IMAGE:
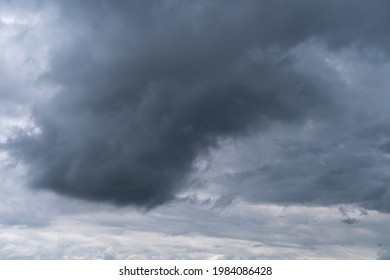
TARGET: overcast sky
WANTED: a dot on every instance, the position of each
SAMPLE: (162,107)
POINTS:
(195,129)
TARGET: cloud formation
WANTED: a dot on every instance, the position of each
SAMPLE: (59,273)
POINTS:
(146,87)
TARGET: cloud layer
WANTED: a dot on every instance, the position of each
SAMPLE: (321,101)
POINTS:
(144,89)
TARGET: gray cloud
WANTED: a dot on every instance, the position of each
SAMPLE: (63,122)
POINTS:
(384,255)
(329,160)
(180,230)
(147,87)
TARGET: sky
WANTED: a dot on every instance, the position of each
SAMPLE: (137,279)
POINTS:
(169,129)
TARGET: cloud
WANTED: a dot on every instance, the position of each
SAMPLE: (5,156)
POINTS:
(180,230)
(145,88)
(384,255)
(41,225)
(336,158)
(131,118)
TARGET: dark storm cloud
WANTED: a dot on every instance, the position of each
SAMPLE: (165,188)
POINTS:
(147,86)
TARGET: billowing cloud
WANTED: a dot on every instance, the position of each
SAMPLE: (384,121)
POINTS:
(143,89)
(333,159)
